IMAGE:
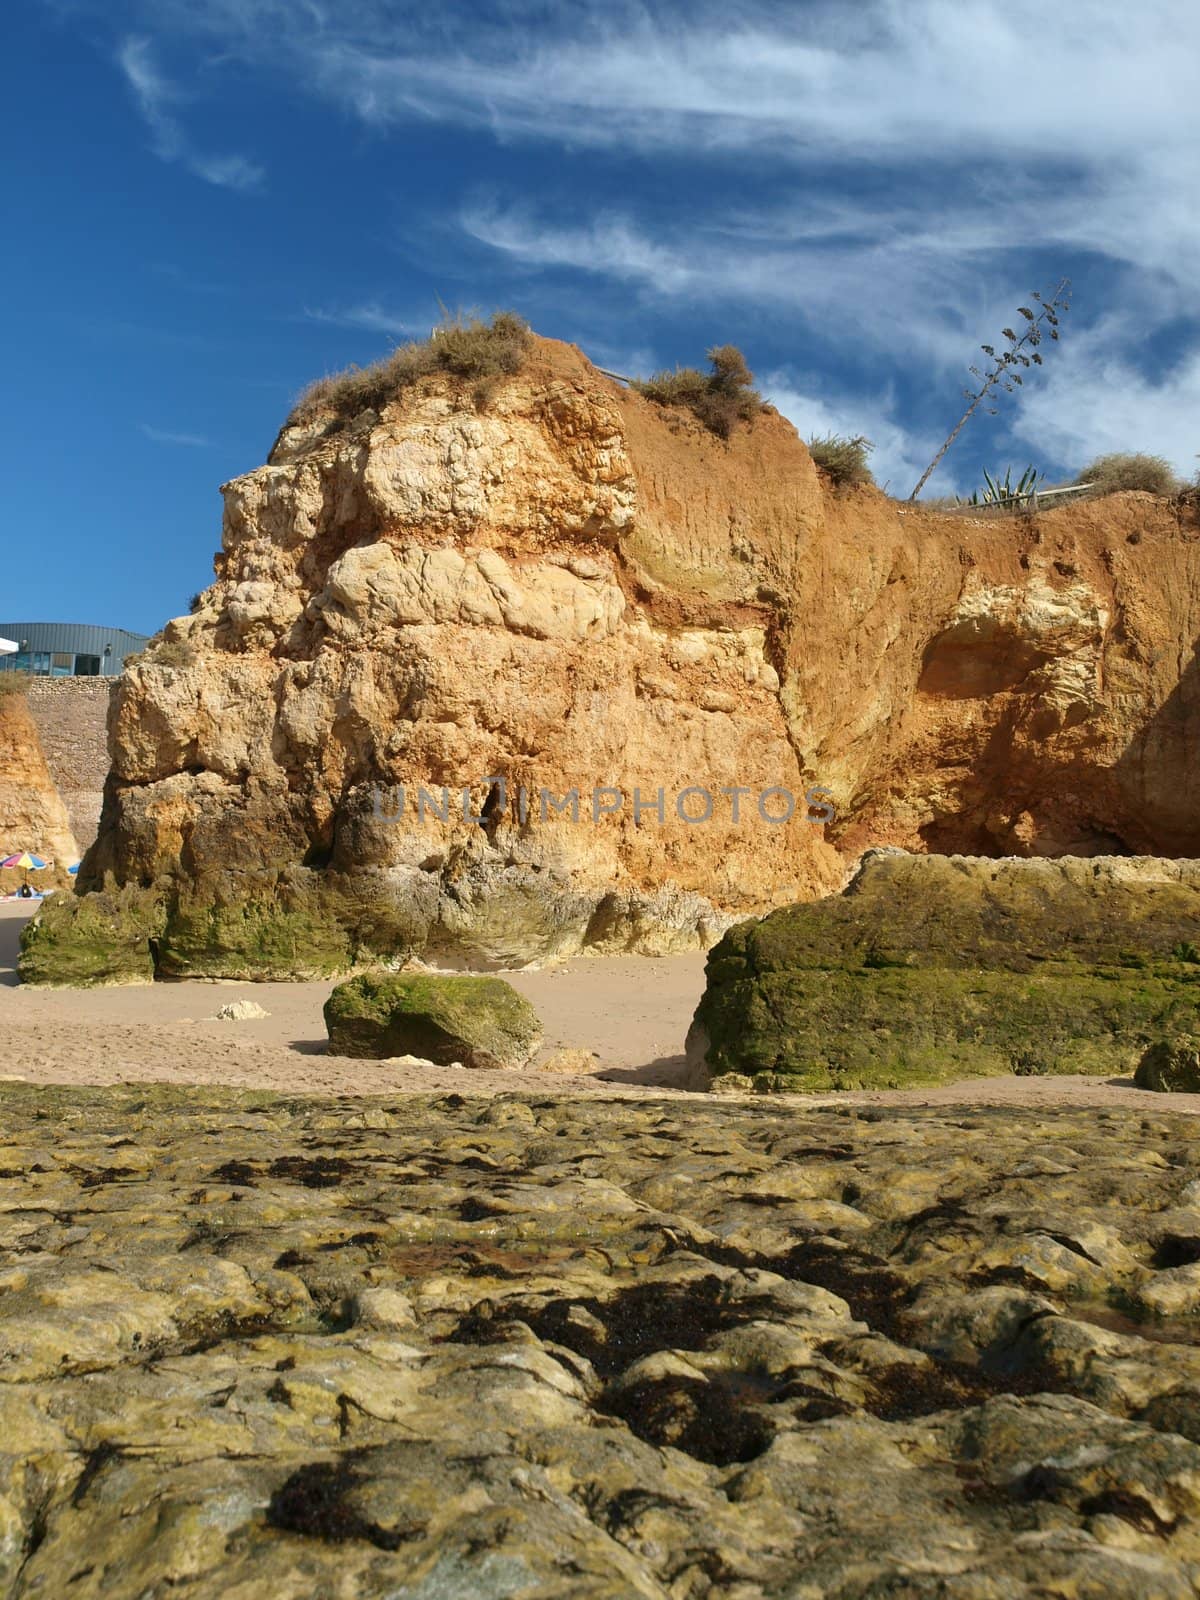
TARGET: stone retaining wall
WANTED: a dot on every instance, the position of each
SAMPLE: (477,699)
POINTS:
(71,716)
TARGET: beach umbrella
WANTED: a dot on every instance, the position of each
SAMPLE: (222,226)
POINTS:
(74,867)
(27,862)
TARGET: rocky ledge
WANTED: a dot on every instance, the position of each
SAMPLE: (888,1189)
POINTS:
(255,1347)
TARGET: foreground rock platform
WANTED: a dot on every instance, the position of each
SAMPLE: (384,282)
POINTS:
(261,1348)
(931,969)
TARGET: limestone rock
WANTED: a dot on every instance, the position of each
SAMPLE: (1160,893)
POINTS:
(929,968)
(467,1021)
(254,1345)
(241,1011)
(569,1061)
(1173,1293)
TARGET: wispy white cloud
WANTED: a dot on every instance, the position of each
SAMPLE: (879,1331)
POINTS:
(1095,401)
(983,125)
(806,82)
(900,451)
(166,436)
(880,176)
(372,316)
(156,97)
(920,292)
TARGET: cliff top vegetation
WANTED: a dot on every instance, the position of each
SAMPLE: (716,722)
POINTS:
(462,345)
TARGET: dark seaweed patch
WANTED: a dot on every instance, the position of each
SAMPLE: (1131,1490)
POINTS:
(814,1405)
(316,1172)
(642,1319)
(615,1333)
(94,1464)
(239,1173)
(875,1294)
(707,1420)
(1130,1508)
(912,1389)
(988,1277)
(1176,1250)
(475,1210)
(103,1175)
(317,1501)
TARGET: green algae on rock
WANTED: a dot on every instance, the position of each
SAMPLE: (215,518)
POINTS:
(1172,1066)
(278,929)
(284,934)
(931,968)
(480,1022)
(92,940)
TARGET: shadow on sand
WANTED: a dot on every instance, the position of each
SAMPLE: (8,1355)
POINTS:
(667,1072)
(10,943)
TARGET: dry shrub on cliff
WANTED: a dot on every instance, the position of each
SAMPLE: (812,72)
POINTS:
(13,683)
(1124,470)
(462,345)
(842,460)
(172,653)
(721,400)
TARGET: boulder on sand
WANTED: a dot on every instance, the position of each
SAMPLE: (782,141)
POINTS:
(241,1011)
(931,968)
(1172,1066)
(475,1021)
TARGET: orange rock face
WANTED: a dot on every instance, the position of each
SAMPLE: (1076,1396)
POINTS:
(33,817)
(573,589)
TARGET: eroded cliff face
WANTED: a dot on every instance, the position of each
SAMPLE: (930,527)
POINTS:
(572,588)
(32,815)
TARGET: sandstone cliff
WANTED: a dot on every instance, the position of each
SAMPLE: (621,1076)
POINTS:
(32,815)
(572,587)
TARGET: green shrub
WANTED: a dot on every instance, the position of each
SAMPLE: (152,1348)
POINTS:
(1123,470)
(462,345)
(1000,491)
(720,401)
(842,460)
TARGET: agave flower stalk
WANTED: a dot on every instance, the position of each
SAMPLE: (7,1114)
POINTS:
(1004,371)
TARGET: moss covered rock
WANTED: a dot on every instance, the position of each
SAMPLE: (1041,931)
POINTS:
(1171,1065)
(280,932)
(84,941)
(480,1022)
(932,968)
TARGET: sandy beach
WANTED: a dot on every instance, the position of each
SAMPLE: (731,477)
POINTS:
(631,1013)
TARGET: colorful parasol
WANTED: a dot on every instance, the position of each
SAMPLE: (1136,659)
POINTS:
(30,863)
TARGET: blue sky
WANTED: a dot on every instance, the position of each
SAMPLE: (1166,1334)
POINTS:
(214,201)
